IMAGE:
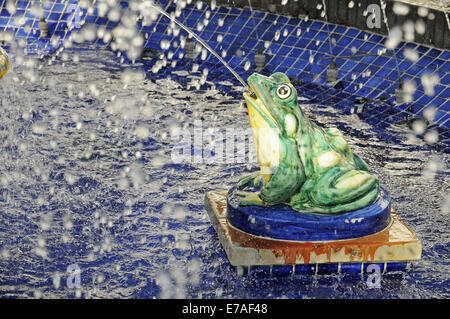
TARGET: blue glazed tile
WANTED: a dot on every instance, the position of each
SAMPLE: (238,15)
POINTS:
(366,47)
(300,64)
(362,35)
(374,94)
(445,93)
(424,99)
(270,17)
(422,49)
(291,40)
(312,45)
(445,55)
(292,72)
(305,24)
(445,67)
(364,91)
(356,43)
(322,36)
(280,68)
(351,268)
(374,82)
(306,269)
(344,41)
(392,63)
(394,76)
(424,61)
(360,67)
(414,69)
(276,60)
(381,60)
(282,270)
(282,19)
(235,11)
(303,43)
(382,72)
(316,69)
(268,35)
(340,30)
(327,269)
(289,62)
(438,101)
(444,120)
(309,34)
(296,52)
(260,271)
(223,10)
(259,14)
(293,21)
(376,38)
(352,32)
(284,50)
(434,53)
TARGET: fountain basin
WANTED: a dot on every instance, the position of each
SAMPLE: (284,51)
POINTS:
(394,243)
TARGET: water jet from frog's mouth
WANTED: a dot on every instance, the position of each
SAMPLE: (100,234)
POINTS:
(202,42)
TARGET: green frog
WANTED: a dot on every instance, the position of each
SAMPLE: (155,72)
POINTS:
(310,168)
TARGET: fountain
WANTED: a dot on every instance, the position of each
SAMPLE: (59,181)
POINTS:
(87,188)
(313,201)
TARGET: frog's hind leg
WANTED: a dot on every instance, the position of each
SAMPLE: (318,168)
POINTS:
(339,190)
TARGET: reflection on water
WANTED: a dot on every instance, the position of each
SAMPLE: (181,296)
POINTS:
(86,180)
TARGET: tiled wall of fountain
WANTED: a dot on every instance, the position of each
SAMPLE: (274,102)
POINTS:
(299,47)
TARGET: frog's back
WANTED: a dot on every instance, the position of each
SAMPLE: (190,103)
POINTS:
(328,149)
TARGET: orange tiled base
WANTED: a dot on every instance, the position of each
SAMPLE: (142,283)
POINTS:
(396,243)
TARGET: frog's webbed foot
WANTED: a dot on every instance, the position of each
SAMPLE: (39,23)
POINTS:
(250,198)
(338,190)
(253,180)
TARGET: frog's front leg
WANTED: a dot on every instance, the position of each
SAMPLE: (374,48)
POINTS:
(285,182)
(253,180)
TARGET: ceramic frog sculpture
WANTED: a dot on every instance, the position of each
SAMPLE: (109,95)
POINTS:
(302,165)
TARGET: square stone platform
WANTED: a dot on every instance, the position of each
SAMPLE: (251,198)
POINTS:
(396,243)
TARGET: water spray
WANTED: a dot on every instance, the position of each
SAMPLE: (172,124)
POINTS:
(200,40)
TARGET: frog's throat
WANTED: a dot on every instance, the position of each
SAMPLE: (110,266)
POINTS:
(257,105)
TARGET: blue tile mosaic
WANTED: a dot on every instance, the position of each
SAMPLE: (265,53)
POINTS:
(301,50)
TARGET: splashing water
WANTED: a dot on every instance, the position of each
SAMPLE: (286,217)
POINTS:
(95,196)
(202,42)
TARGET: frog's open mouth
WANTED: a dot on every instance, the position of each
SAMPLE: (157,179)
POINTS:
(254,102)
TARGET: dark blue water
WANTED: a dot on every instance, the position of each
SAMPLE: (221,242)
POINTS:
(87,182)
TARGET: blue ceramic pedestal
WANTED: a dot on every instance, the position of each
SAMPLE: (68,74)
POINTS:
(297,242)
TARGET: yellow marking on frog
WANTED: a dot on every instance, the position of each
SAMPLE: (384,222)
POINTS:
(352,179)
(290,123)
(334,131)
(4,62)
(266,139)
(328,159)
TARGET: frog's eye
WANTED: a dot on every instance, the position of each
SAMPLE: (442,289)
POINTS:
(283,92)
